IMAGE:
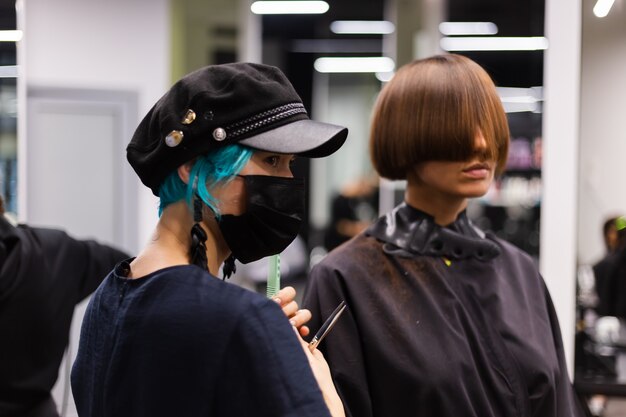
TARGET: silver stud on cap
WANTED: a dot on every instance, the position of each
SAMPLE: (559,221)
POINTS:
(174,138)
(190,116)
(219,134)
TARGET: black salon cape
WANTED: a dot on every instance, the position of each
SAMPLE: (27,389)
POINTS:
(44,273)
(180,342)
(420,338)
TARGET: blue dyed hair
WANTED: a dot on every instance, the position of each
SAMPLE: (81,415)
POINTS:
(218,166)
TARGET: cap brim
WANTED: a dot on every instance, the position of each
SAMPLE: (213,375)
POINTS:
(303,137)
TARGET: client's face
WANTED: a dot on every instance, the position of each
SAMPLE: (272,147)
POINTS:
(461,180)
(232,195)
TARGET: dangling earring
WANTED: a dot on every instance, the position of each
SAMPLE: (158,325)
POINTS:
(229,267)
(197,251)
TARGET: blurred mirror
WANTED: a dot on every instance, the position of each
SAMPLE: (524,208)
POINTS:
(601,298)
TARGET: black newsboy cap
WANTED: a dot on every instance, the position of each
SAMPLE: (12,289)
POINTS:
(251,104)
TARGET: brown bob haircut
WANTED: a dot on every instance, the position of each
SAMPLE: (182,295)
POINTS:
(432,110)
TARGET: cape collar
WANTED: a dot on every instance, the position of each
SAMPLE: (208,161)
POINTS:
(408,231)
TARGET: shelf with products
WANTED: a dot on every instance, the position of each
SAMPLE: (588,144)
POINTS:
(512,190)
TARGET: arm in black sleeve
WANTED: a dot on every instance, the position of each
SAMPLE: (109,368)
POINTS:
(75,263)
(99,261)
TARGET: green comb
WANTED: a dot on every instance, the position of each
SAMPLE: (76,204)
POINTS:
(620,223)
(273,276)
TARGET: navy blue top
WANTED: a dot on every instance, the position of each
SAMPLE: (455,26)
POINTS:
(180,342)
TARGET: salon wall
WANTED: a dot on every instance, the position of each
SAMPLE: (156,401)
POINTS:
(94,45)
(206,32)
(89,69)
(561,111)
(98,44)
(602,128)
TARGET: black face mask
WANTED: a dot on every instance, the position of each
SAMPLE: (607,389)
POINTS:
(275,207)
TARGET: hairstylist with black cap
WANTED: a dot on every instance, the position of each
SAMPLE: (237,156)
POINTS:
(162,336)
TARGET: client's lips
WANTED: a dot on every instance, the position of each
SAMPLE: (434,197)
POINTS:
(477,166)
(478,170)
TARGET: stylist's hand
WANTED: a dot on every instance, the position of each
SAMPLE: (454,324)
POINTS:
(322,375)
(298,318)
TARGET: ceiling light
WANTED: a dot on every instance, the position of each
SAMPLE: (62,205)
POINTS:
(516,99)
(468,28)
(518,94)
(289,7)
(10,35)
(8,71)
(365,27)
(384,77)
(602,7)
(494,44)
(354,64)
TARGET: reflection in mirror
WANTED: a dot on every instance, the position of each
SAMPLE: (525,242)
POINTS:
(601,300)
(344,197)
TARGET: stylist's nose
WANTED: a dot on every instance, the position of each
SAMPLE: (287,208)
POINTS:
(287,172)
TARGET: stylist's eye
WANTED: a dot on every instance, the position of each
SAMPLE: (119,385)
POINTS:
(292,161)
(273,160)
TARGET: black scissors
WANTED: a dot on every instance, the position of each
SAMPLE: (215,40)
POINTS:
(327,326)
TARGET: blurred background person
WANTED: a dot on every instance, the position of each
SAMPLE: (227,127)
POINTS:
(600,298)
(44,273)
(610,271)
(353,209)
(610,233)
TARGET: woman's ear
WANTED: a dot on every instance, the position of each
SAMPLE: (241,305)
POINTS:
(184,171)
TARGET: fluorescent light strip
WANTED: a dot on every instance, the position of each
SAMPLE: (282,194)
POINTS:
(520,95)
(602,7)
(8,71)
(494,44)
(519,99)
(289,7)
(518,107)
(10,35)
(365,27)
(354,64)
(515,99)
(468,28)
